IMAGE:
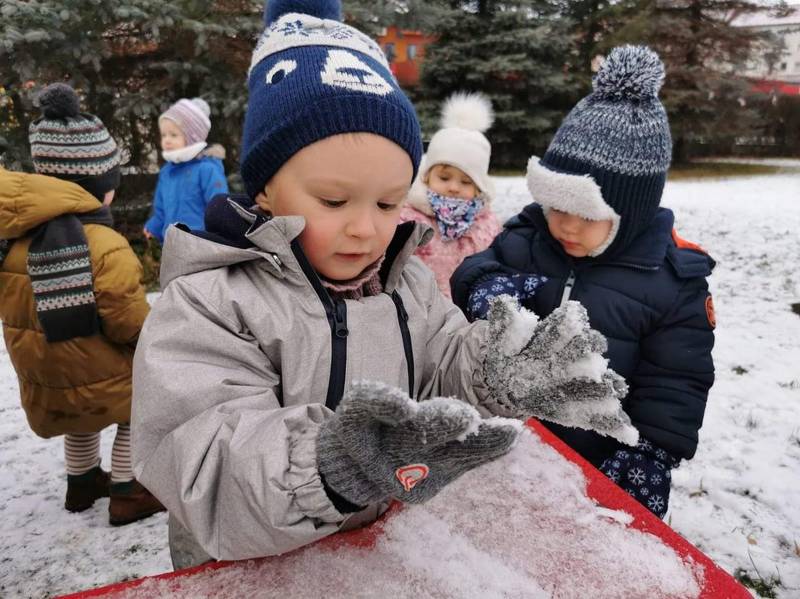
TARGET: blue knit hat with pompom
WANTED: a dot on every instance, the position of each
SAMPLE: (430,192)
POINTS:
(619,136)
(311,77)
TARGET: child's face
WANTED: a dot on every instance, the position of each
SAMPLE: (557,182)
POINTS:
(578,236)
(452,182)
(349,188)
(171,136)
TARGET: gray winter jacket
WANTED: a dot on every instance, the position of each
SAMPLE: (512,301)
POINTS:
(245,355)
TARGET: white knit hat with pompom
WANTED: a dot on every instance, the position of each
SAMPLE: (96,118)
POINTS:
(461,143)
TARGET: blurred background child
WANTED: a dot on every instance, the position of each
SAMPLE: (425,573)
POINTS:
(453,191)
(193,173)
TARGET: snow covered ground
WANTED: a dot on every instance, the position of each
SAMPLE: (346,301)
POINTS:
(737,500)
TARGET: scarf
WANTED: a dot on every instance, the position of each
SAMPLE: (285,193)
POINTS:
(367,284)
(61,275)
(184,154)
(453,215)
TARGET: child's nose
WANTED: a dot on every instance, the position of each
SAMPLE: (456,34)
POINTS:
(571,222)
(361,225)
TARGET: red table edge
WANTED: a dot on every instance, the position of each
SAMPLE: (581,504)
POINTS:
(717,583)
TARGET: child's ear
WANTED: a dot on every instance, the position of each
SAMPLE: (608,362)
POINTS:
(264,200)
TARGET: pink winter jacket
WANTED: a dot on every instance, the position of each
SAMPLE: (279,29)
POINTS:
(443,256)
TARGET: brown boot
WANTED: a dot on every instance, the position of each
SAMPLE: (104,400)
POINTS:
(84,489)
(130,502)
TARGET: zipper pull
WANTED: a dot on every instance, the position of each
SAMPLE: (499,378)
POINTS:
(340,319)
(568,288)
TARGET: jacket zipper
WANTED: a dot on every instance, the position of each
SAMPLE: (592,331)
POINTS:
(336,312)
(339,332)
(568,288)
(402,318)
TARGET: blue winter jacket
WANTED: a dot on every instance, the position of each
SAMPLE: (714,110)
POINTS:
(183,191)
(650,300)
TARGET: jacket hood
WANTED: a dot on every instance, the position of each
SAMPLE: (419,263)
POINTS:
(27,201)
(213,151)
(236,233)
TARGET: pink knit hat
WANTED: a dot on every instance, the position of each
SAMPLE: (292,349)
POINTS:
(191,116)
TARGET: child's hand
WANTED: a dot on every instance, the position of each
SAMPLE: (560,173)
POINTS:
(520,287)
(554,369)
(147,234)
(380,443)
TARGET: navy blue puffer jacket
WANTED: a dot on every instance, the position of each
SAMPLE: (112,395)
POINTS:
(650,300)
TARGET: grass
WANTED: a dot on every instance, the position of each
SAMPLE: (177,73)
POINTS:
(764,588)
(697,170)
(721,170)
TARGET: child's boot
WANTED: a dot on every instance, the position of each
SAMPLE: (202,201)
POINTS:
(84,489)
(130,502)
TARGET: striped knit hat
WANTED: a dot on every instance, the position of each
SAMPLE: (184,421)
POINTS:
(609,159)
(71,145)
(192,118)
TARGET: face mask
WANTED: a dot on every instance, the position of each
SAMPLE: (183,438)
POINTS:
(454,216)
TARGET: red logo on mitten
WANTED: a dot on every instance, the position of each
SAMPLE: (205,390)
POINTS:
(410,475)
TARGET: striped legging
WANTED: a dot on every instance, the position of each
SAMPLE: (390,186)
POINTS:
(82,453)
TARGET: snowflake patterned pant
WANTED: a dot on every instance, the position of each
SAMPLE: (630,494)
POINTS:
(644,472)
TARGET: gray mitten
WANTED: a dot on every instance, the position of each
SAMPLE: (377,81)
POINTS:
(380,443)
(554,369)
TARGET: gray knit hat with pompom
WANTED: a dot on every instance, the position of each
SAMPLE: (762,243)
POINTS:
(619,136)
(73,145)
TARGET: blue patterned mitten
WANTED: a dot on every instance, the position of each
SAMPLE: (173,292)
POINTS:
(644,472)
(520,287)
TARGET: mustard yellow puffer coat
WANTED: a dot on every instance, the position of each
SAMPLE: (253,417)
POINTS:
(84,384)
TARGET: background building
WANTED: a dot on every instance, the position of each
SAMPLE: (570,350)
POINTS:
(405,50)
(777,68)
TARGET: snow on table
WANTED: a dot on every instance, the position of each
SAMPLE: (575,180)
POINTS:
(521,526)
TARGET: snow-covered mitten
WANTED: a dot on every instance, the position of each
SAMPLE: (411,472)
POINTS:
(380,444)
(645,473)
(518,286)
(554,369)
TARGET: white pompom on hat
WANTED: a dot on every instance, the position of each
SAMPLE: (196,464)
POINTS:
(460,143)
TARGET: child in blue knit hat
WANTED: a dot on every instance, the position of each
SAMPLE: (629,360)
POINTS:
(595,234)
(274,377)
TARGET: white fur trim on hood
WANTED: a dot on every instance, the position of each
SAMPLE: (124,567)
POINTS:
(575,194)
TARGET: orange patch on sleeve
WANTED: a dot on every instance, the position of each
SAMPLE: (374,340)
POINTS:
(712,317)
(686,245)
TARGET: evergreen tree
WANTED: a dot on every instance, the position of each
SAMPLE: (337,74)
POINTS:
(516,53)
(703,52)
(590,23)
(129,60)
